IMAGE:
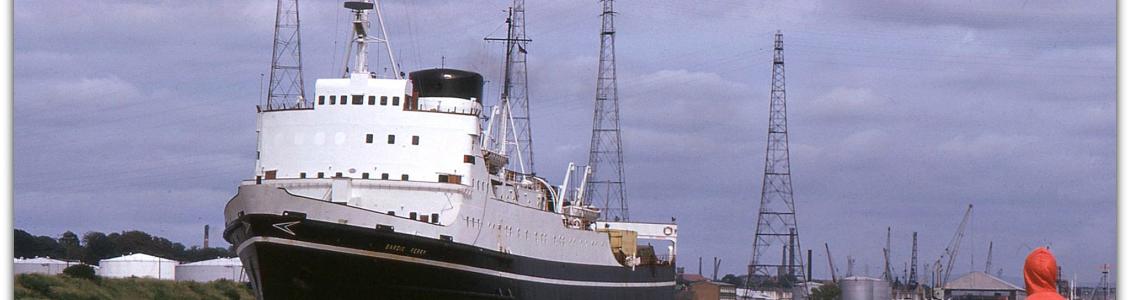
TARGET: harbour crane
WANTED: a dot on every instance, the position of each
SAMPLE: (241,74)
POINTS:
(989,259)
(831,265)
(943,273)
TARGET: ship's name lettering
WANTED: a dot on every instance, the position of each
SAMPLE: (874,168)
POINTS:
(403,249)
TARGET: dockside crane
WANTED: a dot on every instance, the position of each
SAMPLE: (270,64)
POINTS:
(831,265)
(989,259)
(887,259)
(942,274)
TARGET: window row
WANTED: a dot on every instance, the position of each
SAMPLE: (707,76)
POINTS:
(391,139)
(384,176)
(357,100)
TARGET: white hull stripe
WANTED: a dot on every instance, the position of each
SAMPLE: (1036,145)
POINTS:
(441,264)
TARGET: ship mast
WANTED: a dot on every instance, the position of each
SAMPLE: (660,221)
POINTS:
(361,39)
(513,135)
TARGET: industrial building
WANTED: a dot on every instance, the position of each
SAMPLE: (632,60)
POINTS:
(982,286)
(138,265)
(697,287)
(40,265)
(213,269)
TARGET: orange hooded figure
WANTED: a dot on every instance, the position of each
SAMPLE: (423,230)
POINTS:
(1039,275)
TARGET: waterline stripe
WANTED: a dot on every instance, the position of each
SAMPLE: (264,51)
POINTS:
(442,264)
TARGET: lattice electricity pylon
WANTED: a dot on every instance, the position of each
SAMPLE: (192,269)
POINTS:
(606,157)
(776,218)
(286,89)
(514,101)
(1102,290)
(913,280)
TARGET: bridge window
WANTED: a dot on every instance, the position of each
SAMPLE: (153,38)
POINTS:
(322,100)
(404,177)
(384,176)
(384,100)
(444,178)
(391,139)
(322,174)
(372,100)
(358,99)
(333,99)
(302,175)
(364,175)
(415,140)
(396,101)
(337,175)
(369,138)
(344,100)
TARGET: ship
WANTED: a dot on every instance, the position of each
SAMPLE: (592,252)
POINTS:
(386,187)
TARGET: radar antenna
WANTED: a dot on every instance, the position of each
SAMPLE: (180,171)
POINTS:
(360,39)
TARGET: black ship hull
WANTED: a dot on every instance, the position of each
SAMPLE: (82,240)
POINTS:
(290,257)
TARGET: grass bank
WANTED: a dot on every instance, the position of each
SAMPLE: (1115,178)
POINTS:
(39,286)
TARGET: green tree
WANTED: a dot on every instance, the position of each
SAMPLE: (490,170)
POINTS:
(27,245)
(98,246)
(80,271)
(828,291)
(737,281)
(70,243)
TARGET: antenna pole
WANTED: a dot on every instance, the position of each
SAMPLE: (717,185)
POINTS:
(286,84)
(776,218)
(606,156)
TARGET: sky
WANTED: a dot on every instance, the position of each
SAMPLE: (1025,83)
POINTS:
(141,115)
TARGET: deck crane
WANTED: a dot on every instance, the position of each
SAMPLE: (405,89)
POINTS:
(943,274)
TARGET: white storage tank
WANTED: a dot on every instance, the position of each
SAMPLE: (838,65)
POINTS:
(858,288)
(213,269)
(40,265)
(138,265)
(881,290)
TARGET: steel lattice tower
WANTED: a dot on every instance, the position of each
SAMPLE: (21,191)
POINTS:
(776,219)
(606,157)
(519,92)
(286,89)
(913,280)
(514,101)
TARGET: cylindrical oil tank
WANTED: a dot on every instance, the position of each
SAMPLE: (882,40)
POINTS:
(209,270)
(138,265)
(857,288)
(881,290)
(41,265)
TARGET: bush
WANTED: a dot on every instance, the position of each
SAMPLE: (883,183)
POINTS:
(80,271)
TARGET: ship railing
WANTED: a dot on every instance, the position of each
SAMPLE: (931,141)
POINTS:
(409,185)
(277,107)
(443,105)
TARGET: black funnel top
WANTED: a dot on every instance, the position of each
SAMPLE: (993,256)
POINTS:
(447,83)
